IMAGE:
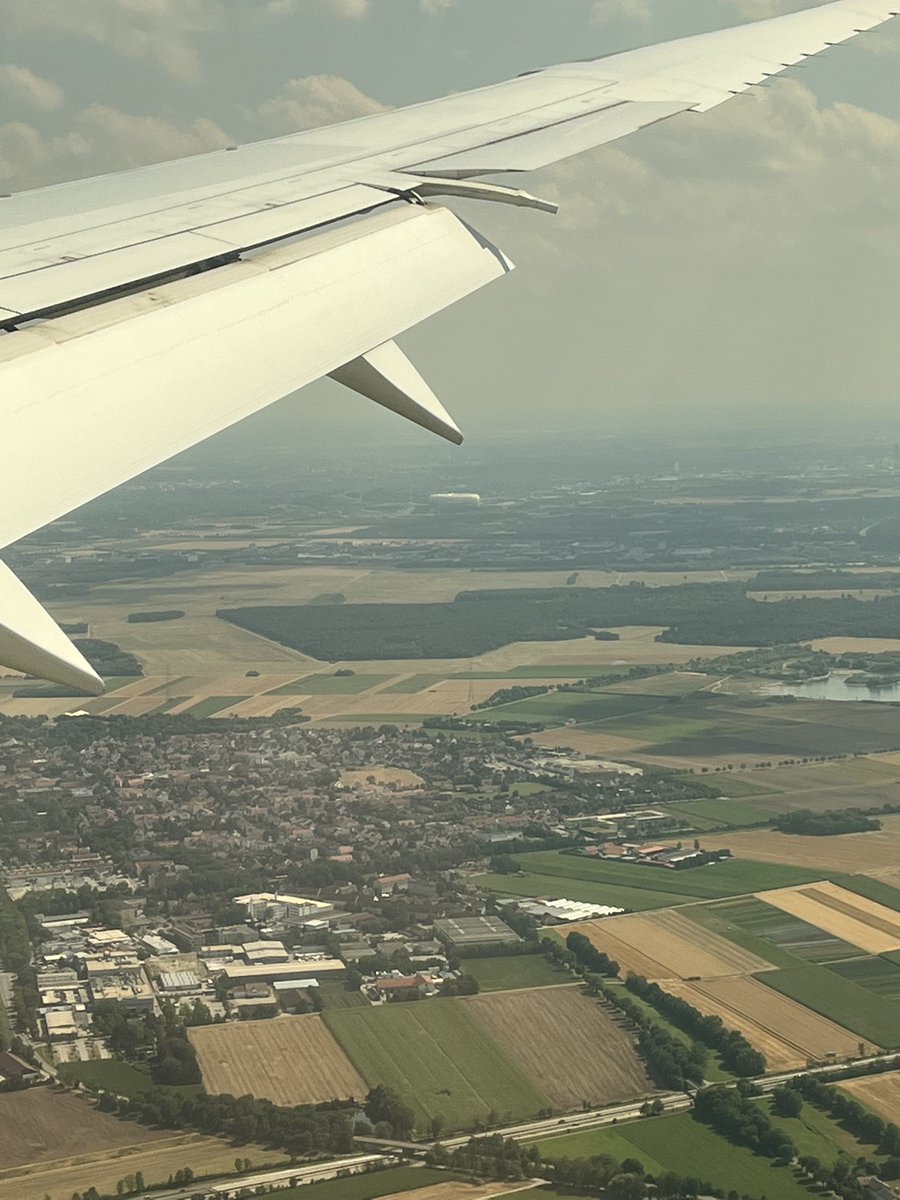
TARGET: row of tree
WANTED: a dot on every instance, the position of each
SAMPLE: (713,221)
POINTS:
(733,1113)
(590,957)
(737,1055)
(826,824)
(671,1063)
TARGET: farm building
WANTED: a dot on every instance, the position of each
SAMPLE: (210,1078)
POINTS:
(463,932)
(237,973)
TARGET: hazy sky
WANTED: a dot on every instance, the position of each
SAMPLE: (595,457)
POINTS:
(714,268)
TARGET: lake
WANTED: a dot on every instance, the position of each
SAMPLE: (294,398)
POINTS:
(835,687)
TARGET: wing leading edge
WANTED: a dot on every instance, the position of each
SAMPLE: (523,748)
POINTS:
(140,313)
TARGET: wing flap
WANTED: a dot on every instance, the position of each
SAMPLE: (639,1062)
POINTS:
(93,400)
(63,270)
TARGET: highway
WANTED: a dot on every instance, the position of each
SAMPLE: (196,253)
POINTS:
(236,1184)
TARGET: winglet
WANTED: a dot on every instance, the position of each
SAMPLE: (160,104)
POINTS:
(31,641)
(386,376)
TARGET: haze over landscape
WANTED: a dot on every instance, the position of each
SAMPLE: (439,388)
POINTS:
(457,821)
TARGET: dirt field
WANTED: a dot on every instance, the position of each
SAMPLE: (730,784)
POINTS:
(155,1160)
(861,853)
(666,945)
(292,1060)
(459,1190)
(843,914)
(788,1034)
(54,1144)
(39,1125)
(881,1093)
(572,1050)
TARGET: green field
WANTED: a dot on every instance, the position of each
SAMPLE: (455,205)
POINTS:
(335,995)
(563,671)
(371,1185)
(558,707)
(512,971)
(745,733)
(330,685)
(212,705)
(413,684)
(438,1059)
(816,1133)
(721,813)
(872,889)
(729,813)
(841,1000)
(681,1144)
(878,975)
(530,884)
(731,878)
(109,1074)
(781,938)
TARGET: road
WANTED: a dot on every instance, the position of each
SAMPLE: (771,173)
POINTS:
(313,1174)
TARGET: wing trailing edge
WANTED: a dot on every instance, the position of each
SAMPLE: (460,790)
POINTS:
(32,642)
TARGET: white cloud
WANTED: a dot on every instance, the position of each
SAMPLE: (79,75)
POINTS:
(749,253)
(99,139)
(311,102)
(158,31)
(22,86)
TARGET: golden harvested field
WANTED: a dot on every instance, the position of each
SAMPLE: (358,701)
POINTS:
(843,914)
(854,853)
(665,945)
(880,1093)
(382,775)
(788,1034)
(291,1060)
(573,1050)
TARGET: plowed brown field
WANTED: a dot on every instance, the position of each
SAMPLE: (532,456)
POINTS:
(788,1034)
(40,1124)
(881,1093)
(565,1042)
(853,918)
(666,945)
(291,1060)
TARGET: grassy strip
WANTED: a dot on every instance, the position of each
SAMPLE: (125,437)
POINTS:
(515,971)
(112,1075)
(330,685)
(868,1015)
(370,1185)
(734,877)
(715,1072)
(872,889)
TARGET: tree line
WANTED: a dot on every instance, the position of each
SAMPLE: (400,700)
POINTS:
(736,1053)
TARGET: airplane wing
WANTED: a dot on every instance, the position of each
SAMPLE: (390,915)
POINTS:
(145,311)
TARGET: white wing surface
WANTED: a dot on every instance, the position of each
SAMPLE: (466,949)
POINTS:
(142,312)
